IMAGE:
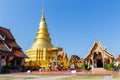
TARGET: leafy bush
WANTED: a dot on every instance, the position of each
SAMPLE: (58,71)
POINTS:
(118,66)
(109,66)
(85,65)
(106,66)
(5,69)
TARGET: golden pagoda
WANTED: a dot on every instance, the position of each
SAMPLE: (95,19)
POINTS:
(42,53)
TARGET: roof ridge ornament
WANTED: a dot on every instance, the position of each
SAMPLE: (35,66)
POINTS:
(43,11)
(42,7)
(42,21)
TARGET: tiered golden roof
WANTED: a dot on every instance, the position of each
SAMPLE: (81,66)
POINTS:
(42,52)
(42,39)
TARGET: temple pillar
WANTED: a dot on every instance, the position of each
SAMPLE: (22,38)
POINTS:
(92,60)
(44,54)
(102,57)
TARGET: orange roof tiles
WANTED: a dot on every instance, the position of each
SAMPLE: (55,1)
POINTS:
(1,46)
(6,32)
(118,58)
(13,44)
(63,55)
(18,53)
(10,43)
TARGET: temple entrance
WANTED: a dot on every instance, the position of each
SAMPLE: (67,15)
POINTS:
(99,57)
(98,62)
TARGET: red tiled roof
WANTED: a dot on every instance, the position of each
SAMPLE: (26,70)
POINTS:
(19,53)
(4,47)
(9,39)
(118,58)
(6,32)
(1,46)
(81,60)
(13,44)
(63,55)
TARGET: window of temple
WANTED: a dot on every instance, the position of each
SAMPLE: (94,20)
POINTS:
(107,61)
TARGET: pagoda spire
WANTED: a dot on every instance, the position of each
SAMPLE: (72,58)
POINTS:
(43,21)
(43,11)
(42,39)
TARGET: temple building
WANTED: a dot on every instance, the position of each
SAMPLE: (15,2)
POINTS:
(42,53)
(118,60)
(98,56)
(11,54)
(63,55)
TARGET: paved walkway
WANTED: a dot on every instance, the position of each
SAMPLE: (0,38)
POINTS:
(108,77)
(31,77)
(70,72)
(47,77)
(58,75)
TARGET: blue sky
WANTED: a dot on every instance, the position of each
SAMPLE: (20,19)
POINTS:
(74,25)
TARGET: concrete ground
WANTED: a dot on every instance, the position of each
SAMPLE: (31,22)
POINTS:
(31,77)
(58,75)
(68,72)
(47,77)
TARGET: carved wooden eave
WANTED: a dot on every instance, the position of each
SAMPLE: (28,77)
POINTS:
(9,42)
(109,54)
(2,37)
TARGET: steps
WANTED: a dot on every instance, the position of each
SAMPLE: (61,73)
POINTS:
(98,69)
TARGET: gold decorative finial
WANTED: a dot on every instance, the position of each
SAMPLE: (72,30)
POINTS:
(42,7)
(43,11)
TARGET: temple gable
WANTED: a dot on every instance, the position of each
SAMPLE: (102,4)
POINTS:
(98,55)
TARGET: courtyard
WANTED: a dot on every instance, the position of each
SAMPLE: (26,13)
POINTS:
(62,75)
(57,77)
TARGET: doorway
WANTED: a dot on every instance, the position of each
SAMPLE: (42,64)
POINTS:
(99,63)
